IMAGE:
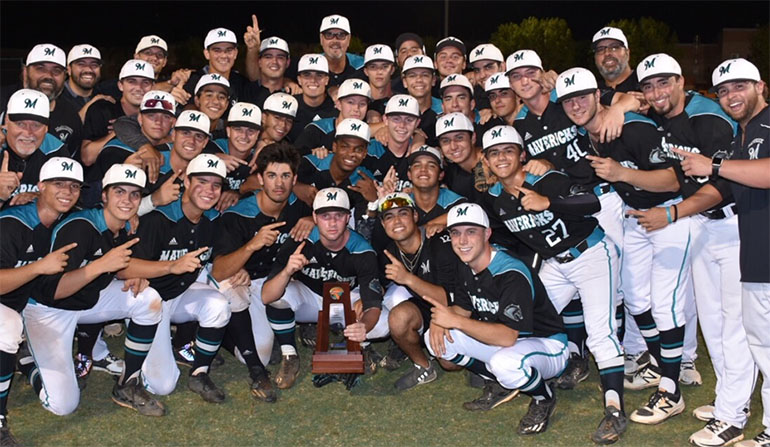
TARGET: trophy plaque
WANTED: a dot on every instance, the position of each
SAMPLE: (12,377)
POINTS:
(336,361)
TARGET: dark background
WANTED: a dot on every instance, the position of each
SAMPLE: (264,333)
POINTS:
(115,27)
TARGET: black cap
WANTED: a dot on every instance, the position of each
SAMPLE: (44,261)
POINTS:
(404,37)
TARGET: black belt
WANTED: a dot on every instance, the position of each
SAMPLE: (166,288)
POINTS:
(721,213)
(569,257)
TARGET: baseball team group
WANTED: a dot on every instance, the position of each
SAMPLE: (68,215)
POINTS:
(489,214)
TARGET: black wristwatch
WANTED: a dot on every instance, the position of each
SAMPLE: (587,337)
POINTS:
(716,163)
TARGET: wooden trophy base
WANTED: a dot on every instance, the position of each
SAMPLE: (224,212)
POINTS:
(338,361)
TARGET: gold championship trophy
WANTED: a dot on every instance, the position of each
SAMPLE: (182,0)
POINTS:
(336,361)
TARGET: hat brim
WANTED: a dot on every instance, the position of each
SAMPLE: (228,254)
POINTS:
(457,224)
(27,117)
(585,91)
(153,110)
(593,44)
(82,183)
(248,124)
(344,135)
(413,156)
(658,75)
(285,115)
(450,44)
(716,87)
(328,209)
(183,127)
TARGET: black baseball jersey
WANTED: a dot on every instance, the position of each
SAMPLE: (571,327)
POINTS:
(115,151)
(753,203)
(379,159)
(239,223)
(98,118)
(355,264)
(165,234)
(316,134)
(354,65)
(25,240)
(239,85)
(480,97)
(307,114)
(64,123)
(30,166)
(703,128)
(428,120)
(630,84)
(237,177)
(435,263)
(471,185)
(639,147)
(547,232)
(507,292)
(315,171)
(89,229)
(446,199)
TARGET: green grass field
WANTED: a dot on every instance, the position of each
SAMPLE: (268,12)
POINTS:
(372,414)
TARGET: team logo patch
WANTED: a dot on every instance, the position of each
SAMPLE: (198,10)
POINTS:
(130,173)
(513,311)
(377,50)
(570,81)
(67,166)
(724,69)
(449,123)
(335,293)
(403,102)
(30,104)
(139,66)
(374,286)
(87,50)
(246,112)
(355,127)
(194,117)
(648,64)
(494,79)
(221,33)
(463,211)
(286,105)
(497,133)
(331,196)
(518,56)
(605,31)
(49,51)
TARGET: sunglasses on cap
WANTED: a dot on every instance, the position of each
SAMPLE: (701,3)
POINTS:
(396,202)
(152,103)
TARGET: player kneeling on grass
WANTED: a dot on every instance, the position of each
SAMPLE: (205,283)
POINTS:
(86,292)
(24,257)
(415,265)
(294,288)
(176,241)
(501,325)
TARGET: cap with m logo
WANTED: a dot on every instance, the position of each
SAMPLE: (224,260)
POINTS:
(335,21)
(83,51)
(61,168)
(497,81)
(331,199)
(137,68)
(456,80)
(467,214)
(486,52)
(218,35)
(245,114)
(576,81)
(501,135)
(609,32)
(354,86)
(46,52)
(212,78)
(151,41)
(403,104)
(281,104)
(28,104)
(656,65)
(453,122)
(193,120)
(206,164)
(351,127)
(274,43)
(523,58)
(124,174)
(313,62)
(734,70)
(378,52)
(419,61)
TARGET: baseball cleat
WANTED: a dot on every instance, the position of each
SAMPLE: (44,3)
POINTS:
(493,396)
(110,364)
(261,386)
(288,372)
(661,406)
(716,433)
(185,355)
(688,375)
(762,440)
(6,438)
(308,333)
(611,427)
(576,372)
(372,358)
(133,395)
(417,375)
(205,387)
(394,359)
(647,377)
(476,381)
(537,417)
(634,362)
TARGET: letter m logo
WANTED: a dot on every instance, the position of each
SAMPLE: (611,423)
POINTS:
(605,32)
(479,52)
(139,66)
(313,60)
(49,51)
(451,78)
(355,127)
(221,33)
(286,105)
(724,70)
(331,196)
(246,112)
(449,123)
(195,117)
(212,163)
(518,56)
(377,50)
(154,40)
(462,211)
(494,79)
(273,42)
(215,77)
(418,59)
(334,20)
(649,63)
(66,166)
(130,173)
(358,85)
(570,81)
(87,50)
(497,133)
(30,104)
(403,102)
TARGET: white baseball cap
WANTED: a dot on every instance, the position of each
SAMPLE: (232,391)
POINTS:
(395,200)
(212,78)
(353,86)
(46,52)
(335,21)
(576,81)
(206,164)
(378,52)
(429,151)
(124,174)
(61,168)
(313,62)
(193,120)
(523,58)
(659,64)
(419,61)
(83,51)
(137,67)
(405,104)
(281,104)
(351,127)
(486,51)
(28,104)
(331,199)
(456,79)
(501,135)
(734,70)
(274,43)
(452,122)
(218,35)
(158,101)
(609,32)
(245,114)
(467,214)
(497,81)
(151,41)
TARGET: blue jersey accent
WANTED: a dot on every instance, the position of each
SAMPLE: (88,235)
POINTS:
(50,144)
(496,189)
(700,105)
(314,235)
(436,105)
(249,208)
(117,143)
(375,149)
(357,244)
(447,197)
(223,144)
(172,211)
(94,216)
(166,166)
(522,113)
(503,263)
(326,125)
(26,214)
(554,98)
(631,117)
(356,61)
(532,179)
(321,164)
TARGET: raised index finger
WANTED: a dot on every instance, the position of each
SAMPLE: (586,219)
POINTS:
(390,256)
(4,167)
(199,251)
(274,225)
(432,301)
(255,23)
(300,247)
(174,176)
(131,243)
(67,247)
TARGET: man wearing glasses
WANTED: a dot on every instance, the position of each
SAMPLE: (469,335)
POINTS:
(611,55)
(335,40)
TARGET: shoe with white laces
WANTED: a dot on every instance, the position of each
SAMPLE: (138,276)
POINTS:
(688,375)
(634,362)
(716,433)
(761,440)
(647,377)
(661,406)
(417,376)
(537,417)
(110,364)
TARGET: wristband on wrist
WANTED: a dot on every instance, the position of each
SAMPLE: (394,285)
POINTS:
(668,214)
